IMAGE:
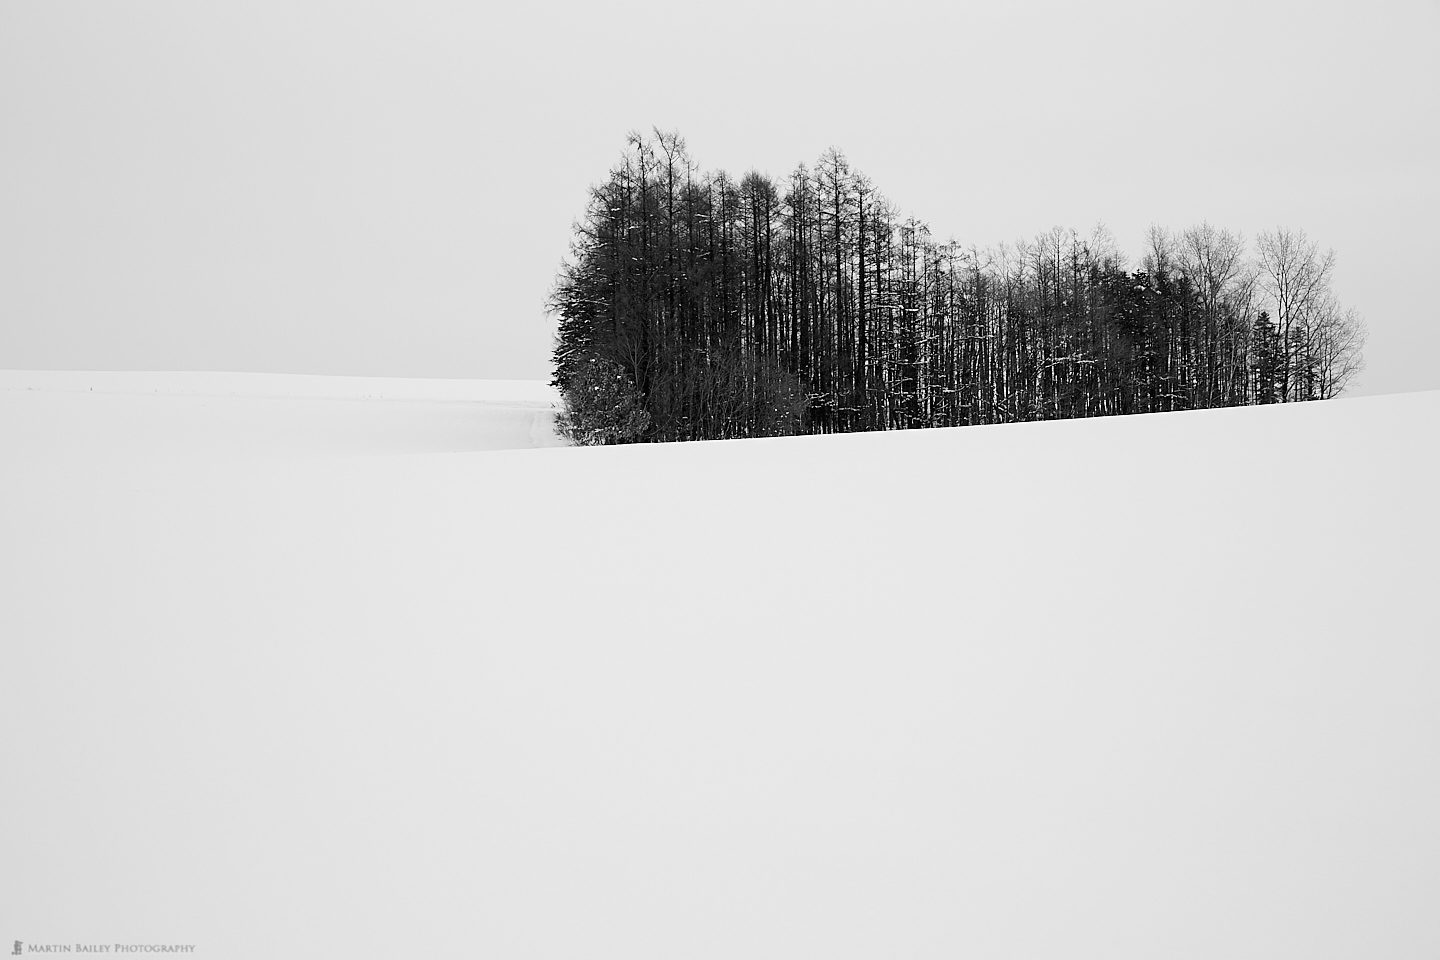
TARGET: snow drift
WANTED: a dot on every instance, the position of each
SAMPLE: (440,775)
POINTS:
(1128,688)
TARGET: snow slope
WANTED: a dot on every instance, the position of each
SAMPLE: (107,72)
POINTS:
(1165,686)
(45,413)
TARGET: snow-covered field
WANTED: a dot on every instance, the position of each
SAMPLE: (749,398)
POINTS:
(296,667)
(47,413)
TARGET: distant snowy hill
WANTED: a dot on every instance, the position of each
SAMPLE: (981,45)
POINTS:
(109,413)
(1161,686)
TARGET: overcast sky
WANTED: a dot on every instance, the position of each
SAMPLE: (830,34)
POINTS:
(387,188)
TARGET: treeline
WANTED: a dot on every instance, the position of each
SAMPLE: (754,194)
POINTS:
(695,306)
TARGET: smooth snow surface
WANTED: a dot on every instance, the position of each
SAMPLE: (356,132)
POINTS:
(49,413)
(1164,686)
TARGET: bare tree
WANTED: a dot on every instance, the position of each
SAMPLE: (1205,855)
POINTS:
(1296,280)
(1334,338)
(1214,263)
(1160,251)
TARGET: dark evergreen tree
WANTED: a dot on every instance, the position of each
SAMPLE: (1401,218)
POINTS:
(1264,359)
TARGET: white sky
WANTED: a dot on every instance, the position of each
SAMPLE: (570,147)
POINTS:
(387,189)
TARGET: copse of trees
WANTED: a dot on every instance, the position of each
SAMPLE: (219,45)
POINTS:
(695,306)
